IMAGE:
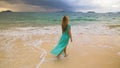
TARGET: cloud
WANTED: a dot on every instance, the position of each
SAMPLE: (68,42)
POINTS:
(49,5)
(13,1)
(66,5)
(96,5)
(54,4)
(107,5)
(22,6)
(59,5)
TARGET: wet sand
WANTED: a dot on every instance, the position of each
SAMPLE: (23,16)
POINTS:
(16,54)
(100,51)
(114,26)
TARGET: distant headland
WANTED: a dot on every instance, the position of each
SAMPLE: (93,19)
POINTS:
(7,11)
(91,12)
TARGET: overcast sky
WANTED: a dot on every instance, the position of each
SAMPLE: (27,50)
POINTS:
(60,5)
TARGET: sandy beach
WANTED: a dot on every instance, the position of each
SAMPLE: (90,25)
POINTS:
(101,51)
(30,48)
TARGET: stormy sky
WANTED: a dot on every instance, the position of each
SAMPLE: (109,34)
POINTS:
(60,5)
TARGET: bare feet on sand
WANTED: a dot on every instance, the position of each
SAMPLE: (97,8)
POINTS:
(65,55)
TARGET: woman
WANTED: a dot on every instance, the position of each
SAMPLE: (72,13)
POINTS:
(63,42)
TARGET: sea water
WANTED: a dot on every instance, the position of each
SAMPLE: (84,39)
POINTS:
(23,19)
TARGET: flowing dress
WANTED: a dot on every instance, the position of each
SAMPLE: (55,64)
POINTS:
(63,42)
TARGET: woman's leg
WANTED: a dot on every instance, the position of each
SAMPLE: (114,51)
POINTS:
(58,56)
(65,52)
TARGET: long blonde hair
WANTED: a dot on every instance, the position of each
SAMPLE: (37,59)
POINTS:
(65,21)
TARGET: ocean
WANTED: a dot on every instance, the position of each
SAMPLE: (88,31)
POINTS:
(93,22)
(38,19)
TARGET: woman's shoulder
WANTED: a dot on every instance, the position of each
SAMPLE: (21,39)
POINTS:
(69,26)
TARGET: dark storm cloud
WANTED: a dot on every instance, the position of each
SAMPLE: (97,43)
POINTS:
(13,1)
(57,4)
(65,5)
(47,4)
(60,4)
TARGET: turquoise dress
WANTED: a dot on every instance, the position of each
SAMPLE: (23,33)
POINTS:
(62,42)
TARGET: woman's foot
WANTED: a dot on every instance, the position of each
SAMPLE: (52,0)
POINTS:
(65,55)
(58,57)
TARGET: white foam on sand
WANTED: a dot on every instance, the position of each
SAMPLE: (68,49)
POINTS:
(9,36)
(118,53)
(76,29)
(42,58)
(94,29)
(29,42)
(7,45)
(38,30)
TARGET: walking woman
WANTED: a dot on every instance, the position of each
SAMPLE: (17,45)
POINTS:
(63,42)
